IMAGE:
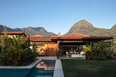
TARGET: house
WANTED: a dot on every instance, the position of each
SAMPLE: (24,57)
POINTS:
(60,45)
(63,45)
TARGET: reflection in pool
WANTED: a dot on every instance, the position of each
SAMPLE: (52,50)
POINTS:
(45,68)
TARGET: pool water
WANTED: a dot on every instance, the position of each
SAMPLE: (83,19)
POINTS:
(45,68)
(14,72)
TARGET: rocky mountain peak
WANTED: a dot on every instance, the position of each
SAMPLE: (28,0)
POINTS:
(113,29)
(81,27)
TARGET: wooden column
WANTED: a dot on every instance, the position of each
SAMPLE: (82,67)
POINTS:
(78,49)
(58,49)
(32,47)
(61,51)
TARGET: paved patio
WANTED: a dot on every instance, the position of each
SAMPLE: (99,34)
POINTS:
(112,60)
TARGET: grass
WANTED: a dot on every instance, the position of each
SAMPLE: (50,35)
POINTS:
(87,68)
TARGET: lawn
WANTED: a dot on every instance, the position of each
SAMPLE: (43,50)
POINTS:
(87,68)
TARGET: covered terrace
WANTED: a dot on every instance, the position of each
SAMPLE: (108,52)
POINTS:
(72,45)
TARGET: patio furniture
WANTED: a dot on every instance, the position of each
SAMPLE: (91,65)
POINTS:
(78,56)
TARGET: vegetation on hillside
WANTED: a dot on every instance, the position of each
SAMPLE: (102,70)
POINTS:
(100,32)
(84,27)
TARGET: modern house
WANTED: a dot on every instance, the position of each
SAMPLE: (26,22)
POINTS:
(61,45)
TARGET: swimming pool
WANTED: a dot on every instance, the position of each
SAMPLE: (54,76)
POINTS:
(44,68)
(13,72)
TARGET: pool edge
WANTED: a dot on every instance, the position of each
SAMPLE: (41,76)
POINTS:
(58,71)
(30,65)
(22,67)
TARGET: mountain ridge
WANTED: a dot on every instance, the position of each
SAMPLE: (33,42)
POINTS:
(80,27)
(30,30)
(85,27)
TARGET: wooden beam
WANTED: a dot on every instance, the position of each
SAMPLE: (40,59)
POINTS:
(44,42)
(79,41)
(72,41)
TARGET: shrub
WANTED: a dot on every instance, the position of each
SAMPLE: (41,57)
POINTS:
(0,48)
(100,51)
(16,51)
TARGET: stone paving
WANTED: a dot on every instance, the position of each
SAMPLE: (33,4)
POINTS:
(58,71)
(112,60)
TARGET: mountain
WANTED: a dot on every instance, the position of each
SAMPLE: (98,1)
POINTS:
(52,34)
(81,27)
(9,29)
(30,30)
(113,29)
(100,32)
(85,27)
(35,31)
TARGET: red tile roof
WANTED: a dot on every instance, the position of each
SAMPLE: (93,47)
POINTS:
(70,36)
(39,38)
(13,33)
(80,36)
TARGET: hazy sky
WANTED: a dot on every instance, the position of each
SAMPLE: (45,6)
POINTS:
(57,15)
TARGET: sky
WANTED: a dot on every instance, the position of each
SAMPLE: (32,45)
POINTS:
(57,15)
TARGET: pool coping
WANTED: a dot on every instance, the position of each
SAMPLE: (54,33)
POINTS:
(21,67)
(30,65)
(58,71)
